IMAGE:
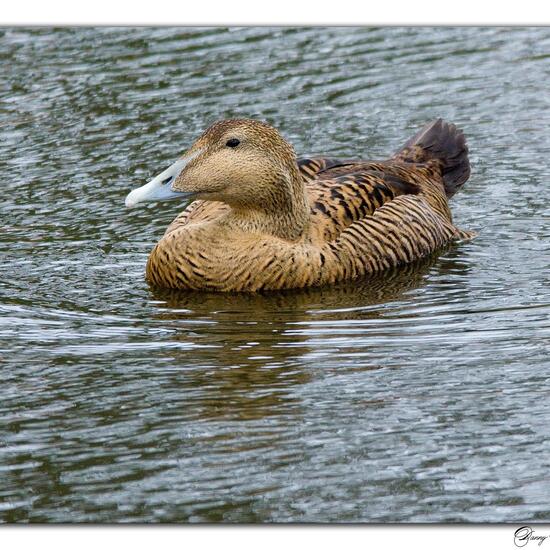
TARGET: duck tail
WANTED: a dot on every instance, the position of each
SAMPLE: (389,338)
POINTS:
(444,144)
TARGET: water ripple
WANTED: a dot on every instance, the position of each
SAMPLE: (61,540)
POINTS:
(417,396)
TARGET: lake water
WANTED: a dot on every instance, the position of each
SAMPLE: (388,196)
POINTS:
(418,396)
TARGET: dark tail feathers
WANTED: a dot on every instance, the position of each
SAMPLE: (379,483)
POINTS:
(442,142)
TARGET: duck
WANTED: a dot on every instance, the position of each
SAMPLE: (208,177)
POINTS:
(260,218)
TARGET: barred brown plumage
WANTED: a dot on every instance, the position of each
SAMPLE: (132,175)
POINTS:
(264,220)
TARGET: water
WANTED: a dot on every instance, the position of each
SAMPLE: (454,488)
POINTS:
(420,396)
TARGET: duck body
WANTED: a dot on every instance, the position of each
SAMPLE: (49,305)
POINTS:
(278,222)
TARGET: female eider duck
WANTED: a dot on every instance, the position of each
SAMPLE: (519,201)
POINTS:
(264,220)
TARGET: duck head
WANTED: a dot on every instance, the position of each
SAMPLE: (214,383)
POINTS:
(241,162)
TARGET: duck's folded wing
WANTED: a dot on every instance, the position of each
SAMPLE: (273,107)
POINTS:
(399,232)
(341,200)
(311,168)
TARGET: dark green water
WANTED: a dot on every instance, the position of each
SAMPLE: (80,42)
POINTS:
(421,396)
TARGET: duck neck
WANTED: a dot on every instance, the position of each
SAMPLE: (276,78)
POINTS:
(284,214)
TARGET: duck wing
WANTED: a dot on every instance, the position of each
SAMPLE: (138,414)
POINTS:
(414,222)
(311,167)
(431,166)
(345,193)
(401,231)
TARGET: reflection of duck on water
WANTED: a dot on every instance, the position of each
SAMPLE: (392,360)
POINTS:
(254,348)
(228,326)
(265,220)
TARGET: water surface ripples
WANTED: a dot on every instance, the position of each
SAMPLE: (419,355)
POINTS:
(419,396)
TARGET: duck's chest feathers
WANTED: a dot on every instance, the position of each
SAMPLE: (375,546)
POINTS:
(204,260)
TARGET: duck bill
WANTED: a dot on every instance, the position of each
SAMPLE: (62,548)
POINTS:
(160,188)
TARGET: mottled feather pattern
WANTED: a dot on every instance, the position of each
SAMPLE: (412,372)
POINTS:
(362,218)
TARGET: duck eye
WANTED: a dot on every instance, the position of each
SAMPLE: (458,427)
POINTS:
(233,142)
